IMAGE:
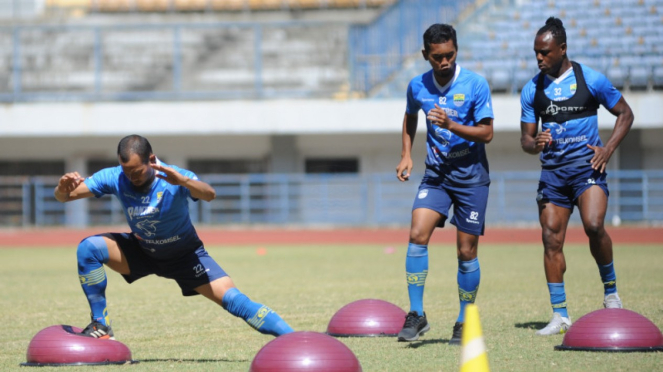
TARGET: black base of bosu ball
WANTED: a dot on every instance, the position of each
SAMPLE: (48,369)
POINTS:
(613,330)
(63,345)
(367,318)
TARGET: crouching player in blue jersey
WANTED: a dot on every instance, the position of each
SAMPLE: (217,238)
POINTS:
(565,96)
(162,240)
(459,120)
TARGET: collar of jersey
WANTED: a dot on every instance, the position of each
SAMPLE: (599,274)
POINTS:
(446,86)
(561,77)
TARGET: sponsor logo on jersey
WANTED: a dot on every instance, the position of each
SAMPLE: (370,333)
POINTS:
(553,109)
(459,99)
(148,227)
(172,239)
(141,211)
(457,154)
(450,112)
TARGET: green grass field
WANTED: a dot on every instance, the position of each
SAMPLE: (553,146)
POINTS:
(306,285)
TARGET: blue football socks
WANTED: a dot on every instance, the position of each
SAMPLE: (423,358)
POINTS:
(416,270)
(92,253)
(260,317)
(609,278)
(469,276)
(558,298)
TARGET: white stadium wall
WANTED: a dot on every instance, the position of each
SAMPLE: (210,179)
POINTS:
(368,130)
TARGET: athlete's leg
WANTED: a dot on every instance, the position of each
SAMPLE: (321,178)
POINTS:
(92,253)
(260,317)
(469,271)
(554,221)
(593,204)
(424,221)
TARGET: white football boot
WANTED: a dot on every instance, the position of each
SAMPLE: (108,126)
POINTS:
(558,325)
(612,301)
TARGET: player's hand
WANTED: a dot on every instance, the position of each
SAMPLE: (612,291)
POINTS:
(542,140)
(404,168)
(69,182)
(600,159)
(169,175)
(438,117)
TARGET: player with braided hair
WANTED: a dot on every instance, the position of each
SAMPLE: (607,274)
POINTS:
(565,97)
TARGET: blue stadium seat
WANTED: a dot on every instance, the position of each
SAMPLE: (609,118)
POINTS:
(617,76)
(658,77)
(639,78)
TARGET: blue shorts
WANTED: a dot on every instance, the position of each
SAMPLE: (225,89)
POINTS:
(469,202)
(191,270)
(564,186)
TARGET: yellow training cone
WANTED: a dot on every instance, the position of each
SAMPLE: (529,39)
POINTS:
(473,357)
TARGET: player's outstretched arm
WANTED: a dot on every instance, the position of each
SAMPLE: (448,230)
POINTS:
(198,189)
(404,167)
(623,124)
(532,141)
(71,187)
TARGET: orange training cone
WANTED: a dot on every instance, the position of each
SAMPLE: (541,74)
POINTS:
(473,356)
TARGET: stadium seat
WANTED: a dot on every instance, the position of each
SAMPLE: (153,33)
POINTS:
(617,76)
(658,78)
(639,78)
(500,80)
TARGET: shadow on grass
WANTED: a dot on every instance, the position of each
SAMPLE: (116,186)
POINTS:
(192,360)
(418,344)
(531,325)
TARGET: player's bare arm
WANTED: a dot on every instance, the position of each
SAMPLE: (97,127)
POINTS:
(531,140)
(71,187)
(622,125)
(482,132)
(198,189)
(405,166)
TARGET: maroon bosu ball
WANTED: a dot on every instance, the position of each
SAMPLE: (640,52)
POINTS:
(305,351)
(367,318)
(61,345)
(613,330)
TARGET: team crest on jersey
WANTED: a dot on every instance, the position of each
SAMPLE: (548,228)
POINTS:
(159,195)
(573,88)
(459,99)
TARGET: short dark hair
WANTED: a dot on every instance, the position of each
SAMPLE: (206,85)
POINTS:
(556,28)
(134,144)
(439,33)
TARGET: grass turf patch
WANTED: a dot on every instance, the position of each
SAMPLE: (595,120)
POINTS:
(306,285)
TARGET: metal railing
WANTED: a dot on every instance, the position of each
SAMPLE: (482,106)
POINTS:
(343,200)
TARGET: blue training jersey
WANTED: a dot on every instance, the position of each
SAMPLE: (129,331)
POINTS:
(570,138)
(159,218)
(466,100)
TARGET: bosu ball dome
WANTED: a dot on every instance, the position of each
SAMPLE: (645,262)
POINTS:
(63,345)
(305,351)
(367,318)
(613,330)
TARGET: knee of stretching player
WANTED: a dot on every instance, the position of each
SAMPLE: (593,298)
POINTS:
(92,249)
